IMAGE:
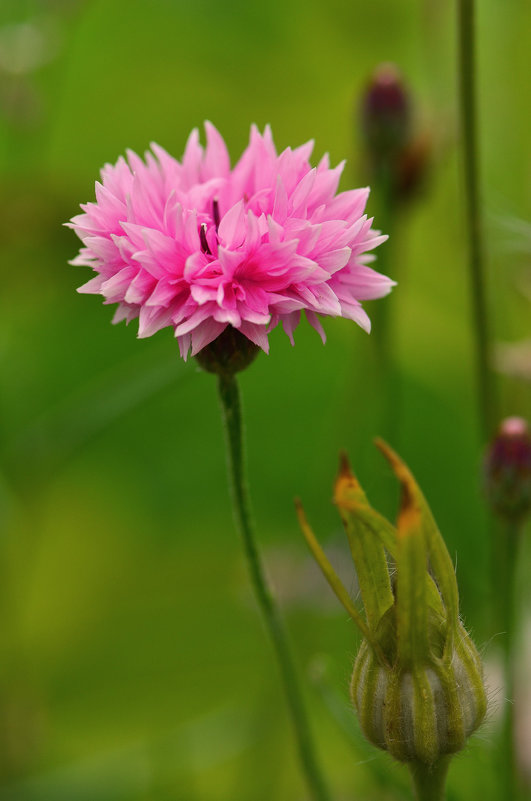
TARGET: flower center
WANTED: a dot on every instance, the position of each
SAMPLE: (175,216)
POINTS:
(215,212)
(203,239)
(203,228)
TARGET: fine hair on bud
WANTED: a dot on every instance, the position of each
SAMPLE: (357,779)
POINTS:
(423,713)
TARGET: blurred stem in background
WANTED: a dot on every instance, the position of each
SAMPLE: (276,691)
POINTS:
(504,542)
(509,538)
(229,394)
(382,332)
(508,492)
(468,102)
(385,127)
(395,165)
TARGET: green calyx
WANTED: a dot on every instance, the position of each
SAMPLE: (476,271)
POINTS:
(228,354)
(417,682)
(423,713)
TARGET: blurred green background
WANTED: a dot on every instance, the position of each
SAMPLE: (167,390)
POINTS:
(133,664)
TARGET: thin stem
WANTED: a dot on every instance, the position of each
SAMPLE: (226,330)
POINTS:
(231,409)
(430,781)
(386,395)
(468,94)
(385,213)
(508,567)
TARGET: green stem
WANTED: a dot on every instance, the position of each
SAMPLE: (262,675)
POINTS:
(508,567)
(468,94)
(384,216)
(386,394)
(429,781)
(231,409)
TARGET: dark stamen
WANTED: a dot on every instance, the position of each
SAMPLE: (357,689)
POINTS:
(203,239)
(215,212)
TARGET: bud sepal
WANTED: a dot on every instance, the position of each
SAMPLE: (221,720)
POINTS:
(417,682)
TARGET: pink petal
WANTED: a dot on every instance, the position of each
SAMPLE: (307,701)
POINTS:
(216,160)
(125,312)
(198,316)
(92,287)
(184,345)
(232,226)
(152,320)
(205,333)
(115,288)
(334,260)
(316,323)
(256,333)
(193,154)
(290,323)
(162,295)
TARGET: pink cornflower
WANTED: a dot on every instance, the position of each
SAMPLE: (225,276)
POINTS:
(199,246)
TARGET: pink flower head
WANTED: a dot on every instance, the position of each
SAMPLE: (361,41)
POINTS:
(199,246)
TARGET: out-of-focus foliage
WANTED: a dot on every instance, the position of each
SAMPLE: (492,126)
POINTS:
(132,663)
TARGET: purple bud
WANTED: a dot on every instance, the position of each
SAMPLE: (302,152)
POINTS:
(508,470)
(385,113)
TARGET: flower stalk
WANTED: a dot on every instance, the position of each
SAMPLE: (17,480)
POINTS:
(229,395)
(384,126)
(429,782)
(507,480)
(511,533)
(508,535)
(395,161)
(467,97)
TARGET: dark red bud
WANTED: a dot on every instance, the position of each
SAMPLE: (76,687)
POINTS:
(385,113)
(508,470)
(229,353)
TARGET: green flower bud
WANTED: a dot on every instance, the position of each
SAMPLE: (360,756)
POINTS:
(424,713)
(417,683)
